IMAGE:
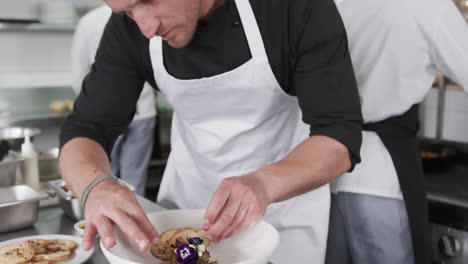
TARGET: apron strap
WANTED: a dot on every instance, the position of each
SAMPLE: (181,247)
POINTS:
(398,134)
(252,31)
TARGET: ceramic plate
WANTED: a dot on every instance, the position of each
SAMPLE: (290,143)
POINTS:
(79,255)
(254,245)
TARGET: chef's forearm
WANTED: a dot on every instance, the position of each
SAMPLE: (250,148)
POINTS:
(313,163)
(82,160)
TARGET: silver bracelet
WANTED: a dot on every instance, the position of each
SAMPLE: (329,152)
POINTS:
(90,187)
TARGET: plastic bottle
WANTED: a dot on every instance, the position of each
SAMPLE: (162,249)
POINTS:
(30,166)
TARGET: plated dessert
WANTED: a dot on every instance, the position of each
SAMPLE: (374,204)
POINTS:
(183,246)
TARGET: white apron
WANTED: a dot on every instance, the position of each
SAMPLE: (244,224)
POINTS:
(230,125)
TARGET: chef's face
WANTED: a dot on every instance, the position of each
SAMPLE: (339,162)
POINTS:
(174,20)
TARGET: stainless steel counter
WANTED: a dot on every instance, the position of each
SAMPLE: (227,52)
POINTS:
(51,220)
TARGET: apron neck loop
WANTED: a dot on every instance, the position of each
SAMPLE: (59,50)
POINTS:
(252,31)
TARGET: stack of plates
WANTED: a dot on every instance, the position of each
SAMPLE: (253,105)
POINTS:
(58,12)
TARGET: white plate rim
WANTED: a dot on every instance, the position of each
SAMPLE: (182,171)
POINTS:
(80,255)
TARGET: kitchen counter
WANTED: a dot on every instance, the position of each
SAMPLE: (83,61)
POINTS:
(51,220)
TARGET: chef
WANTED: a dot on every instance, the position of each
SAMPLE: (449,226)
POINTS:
(379,210)
(266,113)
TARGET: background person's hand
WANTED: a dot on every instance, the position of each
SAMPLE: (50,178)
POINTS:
(237,202)
(110,203)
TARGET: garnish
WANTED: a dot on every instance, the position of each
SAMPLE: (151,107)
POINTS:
(186,254)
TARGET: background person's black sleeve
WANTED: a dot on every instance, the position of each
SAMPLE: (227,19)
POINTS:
(106,105)
(324,79)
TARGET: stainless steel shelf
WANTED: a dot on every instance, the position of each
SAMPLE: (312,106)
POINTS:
(36,27)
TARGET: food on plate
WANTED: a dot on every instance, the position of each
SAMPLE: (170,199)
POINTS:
(17,253)
(41,262)
(54,255)
(82,225)
(38,251)
(61,244)
(183,246)
(39,245)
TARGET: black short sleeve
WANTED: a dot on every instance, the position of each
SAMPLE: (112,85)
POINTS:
(107,102)
(324,79)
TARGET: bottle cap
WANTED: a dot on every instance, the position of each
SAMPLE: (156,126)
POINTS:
(27,147)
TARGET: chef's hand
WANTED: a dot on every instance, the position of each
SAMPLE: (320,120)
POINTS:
(237,202)
(111,203)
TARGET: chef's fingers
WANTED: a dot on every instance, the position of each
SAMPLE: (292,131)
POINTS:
(129,227)
(89,234)
(248,219)
(143,221)
(225,218)
(217,203)
(240,215)
(104,227)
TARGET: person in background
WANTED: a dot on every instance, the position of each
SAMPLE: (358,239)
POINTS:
(266,113)
(132,151)
(379,211)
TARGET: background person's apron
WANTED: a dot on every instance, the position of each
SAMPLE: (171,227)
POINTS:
(399,137)
(230,125)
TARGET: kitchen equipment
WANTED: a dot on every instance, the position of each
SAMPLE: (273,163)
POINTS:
(437,154)
(254,245)
(70,205)
(58,12)
(447,195)
(18,10)
(15,135)
(80,227)
(4,149)
(48,165)
(449,233)
(9,169)
(19,206)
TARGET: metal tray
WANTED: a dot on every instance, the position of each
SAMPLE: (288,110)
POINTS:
(9,168)
(70,205)
(19,206)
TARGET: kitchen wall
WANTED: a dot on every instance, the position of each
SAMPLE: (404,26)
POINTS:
(455,125)
(39,58)
(37,55)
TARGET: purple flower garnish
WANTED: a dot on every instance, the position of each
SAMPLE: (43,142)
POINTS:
(186,254)
(195,241)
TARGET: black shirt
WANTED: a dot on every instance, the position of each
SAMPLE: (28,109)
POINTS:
(306,45)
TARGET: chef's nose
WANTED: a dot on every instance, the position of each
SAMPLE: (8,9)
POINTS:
(146,21)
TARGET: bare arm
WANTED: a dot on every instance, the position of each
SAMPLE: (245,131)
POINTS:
(240,200)
(313,163)
(82,160)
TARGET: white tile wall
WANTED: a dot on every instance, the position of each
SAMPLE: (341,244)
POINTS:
(35,58)
(455,126)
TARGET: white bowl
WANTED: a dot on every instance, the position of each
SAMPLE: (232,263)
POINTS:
(253,245)
(78,228)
